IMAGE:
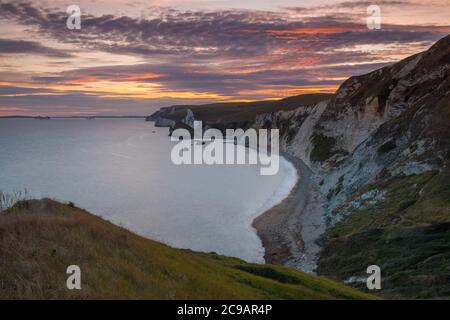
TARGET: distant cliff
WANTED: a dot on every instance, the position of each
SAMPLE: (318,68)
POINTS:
(379,149)
(229,115)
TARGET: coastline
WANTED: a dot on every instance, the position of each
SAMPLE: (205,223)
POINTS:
(289,230)
(283,190)
(290,222)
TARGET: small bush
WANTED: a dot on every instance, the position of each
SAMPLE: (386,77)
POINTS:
(388,146)
(322,147)
(7,200)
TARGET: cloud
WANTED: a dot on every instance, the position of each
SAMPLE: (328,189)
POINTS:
(84,104)
(230,54)
(350,5)
(30,47)
(13,90)
(208,35)
(198,79)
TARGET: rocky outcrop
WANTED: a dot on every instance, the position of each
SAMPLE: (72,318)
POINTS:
(162,117)
(189,118)
(173,117)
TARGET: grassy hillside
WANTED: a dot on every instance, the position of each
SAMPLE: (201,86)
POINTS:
(241,112)
(407,235)
(40,238)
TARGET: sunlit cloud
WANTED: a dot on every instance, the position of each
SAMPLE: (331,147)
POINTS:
(132,58)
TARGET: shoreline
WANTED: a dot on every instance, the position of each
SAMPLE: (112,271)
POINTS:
(283,191)
(289,230)
(290,227)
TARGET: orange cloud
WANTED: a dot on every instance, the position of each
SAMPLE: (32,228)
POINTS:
(285,92)
(313,31)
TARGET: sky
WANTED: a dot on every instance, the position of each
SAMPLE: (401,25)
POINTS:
(133,57)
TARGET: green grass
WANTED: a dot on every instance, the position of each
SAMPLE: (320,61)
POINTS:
(407,234)
(241,113)
(322,147)
(39,239)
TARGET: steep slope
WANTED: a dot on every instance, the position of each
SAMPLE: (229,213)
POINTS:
(40,239)
(379,153)
(386,176)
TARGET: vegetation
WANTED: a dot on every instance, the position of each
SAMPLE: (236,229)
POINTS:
(385,93)
(388,146)
(7,200)
(322,147)
(40,239)
(242,113)
(407,234)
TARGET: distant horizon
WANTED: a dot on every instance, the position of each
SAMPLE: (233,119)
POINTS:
(73,117)
(29,115)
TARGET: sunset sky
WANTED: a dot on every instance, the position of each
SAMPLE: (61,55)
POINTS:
(132,57)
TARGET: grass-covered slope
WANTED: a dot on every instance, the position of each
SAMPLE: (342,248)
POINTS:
(39,239)
(240,114)
(407,234)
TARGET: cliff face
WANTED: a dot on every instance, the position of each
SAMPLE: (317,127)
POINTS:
(379,126)
(379,149)
(386,177)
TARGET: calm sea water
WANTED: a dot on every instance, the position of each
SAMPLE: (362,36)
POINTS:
(121,170)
